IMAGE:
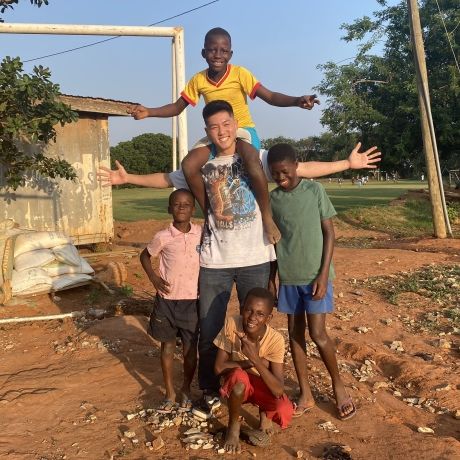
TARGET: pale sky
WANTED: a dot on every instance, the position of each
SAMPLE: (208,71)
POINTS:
(280,42)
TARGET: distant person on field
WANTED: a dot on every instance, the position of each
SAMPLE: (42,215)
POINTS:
(234,84)
(250,360)
(176,282)
(303,213)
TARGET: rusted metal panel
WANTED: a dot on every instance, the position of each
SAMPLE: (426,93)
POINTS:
(97,105)
(83,208)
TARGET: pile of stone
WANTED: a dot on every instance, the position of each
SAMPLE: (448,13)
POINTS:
(198,435)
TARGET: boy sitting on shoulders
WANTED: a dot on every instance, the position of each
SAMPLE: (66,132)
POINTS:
(250,361)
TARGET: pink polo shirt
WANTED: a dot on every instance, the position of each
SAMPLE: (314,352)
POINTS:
(179,260)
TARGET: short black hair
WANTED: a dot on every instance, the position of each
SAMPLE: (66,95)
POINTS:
(217,31)
(179,191)
(216,106)
(262,293)
(281,152)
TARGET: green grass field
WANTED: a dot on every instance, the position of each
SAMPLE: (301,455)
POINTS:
(143,203)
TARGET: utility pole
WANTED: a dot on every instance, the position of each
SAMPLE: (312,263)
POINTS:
(429,141)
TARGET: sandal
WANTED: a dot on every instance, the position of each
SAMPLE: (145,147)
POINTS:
(341,408)
(185,405)
(166,407)
(256,437)
(300,409)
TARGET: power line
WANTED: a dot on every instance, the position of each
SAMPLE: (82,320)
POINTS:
(119,36)
(447,35)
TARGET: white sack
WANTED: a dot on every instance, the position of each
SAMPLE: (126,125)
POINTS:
(30,281)
(39,240)
(58,268)
(60,282)
(32,259)
(67,254)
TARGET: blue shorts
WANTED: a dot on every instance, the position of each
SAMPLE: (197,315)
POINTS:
(255,141)
(295,300)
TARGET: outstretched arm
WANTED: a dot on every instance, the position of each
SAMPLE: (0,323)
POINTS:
(356,160)
(138,112)
(108,177)
(283,100)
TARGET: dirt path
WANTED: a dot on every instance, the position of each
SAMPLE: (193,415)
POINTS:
(66,387)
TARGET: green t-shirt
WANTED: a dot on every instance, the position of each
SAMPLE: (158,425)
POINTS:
(298,214)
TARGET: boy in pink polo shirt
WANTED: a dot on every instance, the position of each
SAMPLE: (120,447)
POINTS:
(176,282)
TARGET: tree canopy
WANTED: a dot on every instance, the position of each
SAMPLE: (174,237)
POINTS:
(29,110)
(144,154)
(374,97)
(9,4)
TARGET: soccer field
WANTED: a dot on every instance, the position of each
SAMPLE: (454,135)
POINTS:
(143,203)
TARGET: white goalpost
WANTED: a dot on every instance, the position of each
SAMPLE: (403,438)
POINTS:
(179,124)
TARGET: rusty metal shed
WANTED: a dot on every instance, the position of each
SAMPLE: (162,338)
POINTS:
(81,209)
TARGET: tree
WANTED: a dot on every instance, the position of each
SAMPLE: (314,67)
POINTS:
(29,110)
(374,98)
(144,154)
(325,147)
(9,4)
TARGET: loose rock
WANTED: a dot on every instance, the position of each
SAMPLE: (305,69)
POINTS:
(425,430)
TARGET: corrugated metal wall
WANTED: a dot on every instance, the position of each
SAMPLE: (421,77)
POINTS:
(82,209)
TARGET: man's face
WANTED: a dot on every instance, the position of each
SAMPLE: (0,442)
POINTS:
(221,130)
(256,313)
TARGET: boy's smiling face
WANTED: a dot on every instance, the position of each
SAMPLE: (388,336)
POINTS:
(217,51)
(256,313)
(284,173)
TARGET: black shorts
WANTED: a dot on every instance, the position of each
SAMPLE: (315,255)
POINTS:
(172,318)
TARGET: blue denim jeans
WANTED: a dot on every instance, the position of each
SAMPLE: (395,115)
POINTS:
(215,289)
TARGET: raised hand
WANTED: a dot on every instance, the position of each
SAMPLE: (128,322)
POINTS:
(308,102)
(367,159)
(138,112)
(108,177)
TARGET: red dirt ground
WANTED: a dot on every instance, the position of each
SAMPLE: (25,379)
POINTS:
(66,386)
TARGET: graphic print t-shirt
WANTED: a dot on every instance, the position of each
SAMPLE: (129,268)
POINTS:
(233,236)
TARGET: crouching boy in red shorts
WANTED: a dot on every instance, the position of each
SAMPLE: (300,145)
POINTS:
(250,361)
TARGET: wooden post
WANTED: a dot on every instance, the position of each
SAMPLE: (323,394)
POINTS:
(434,181)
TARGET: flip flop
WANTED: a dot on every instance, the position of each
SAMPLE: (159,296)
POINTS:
(185,405)
(166,407)
(256,437)
(340,409)
(300,409)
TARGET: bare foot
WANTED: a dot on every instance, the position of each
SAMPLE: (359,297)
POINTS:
(266,425)
(232,439)
(271,230)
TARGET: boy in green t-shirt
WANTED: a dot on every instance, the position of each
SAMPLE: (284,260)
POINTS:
(303,213)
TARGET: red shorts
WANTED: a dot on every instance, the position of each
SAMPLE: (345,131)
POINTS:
(256,392)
